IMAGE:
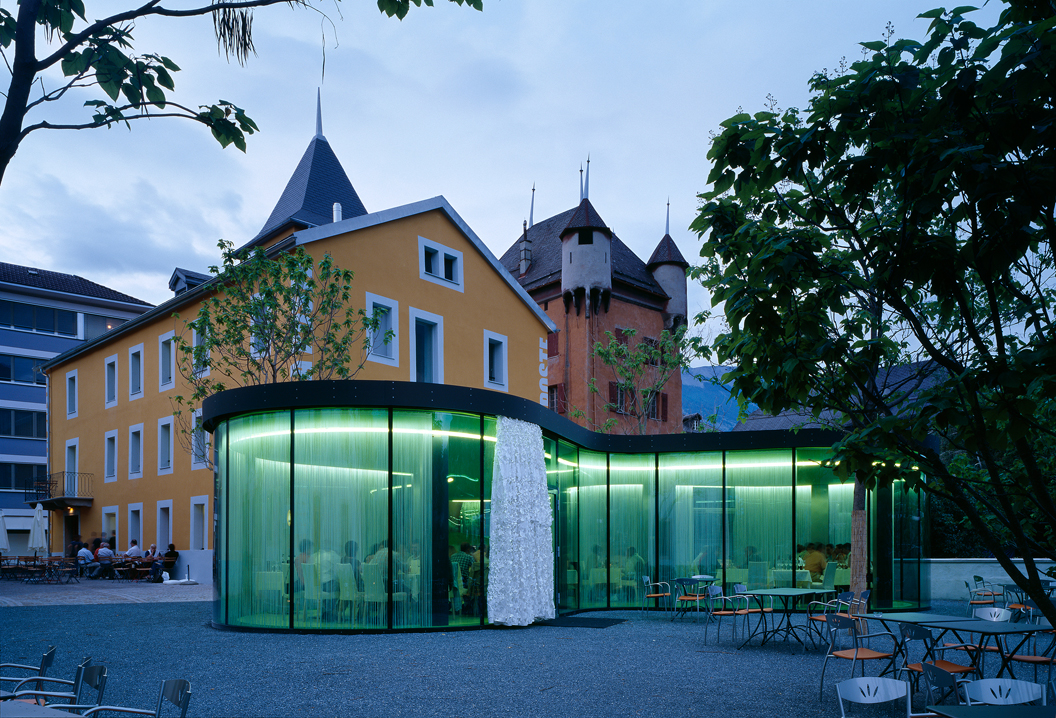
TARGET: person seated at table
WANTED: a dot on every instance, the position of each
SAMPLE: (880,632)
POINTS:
(815,562)
(105,558)
(168,560)
(86,561)
(751,555)
(134,551)
(151,552)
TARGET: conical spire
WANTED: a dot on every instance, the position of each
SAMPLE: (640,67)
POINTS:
(586,186)
(531,212)
(318,112)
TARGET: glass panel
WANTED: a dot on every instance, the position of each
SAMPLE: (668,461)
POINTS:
(690,515)
(483,555)
(67,323)
(759,516)
(593,515)
(45,319)
(823,517)
(341,478)
(257,515)
(21,315)
(632,515)
(437,517)
(220,537)
(566,468)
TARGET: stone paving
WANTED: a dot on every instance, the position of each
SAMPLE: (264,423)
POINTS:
(89,592)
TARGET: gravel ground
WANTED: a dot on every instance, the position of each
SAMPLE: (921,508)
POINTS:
(644,666)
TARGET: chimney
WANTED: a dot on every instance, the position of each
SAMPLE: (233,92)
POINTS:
(337,211)
(526,251)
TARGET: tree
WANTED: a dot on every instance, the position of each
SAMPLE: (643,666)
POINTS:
(100,54)
(885,265)
(641,370)
(270,319)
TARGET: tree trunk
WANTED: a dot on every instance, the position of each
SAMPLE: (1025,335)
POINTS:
(859,539)
(23,70)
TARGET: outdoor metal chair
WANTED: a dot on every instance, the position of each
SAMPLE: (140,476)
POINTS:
(176,691)
(872,690)
(719,607)
(748,609)
(39,671)
(912,632)
(816,621)
(984,614)
(1046,657)
(836,623)
(987,588)
(947,685)
(977,597)
(686,589)
(1003,692)
(94,677)
(661,596)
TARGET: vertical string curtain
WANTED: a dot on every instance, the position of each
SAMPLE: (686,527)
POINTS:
(521,588)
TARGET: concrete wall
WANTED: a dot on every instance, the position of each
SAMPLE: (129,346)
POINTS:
(200,563)
(949,574)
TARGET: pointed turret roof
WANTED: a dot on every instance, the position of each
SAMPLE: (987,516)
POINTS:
(586,217)
(666,253)
(318,182)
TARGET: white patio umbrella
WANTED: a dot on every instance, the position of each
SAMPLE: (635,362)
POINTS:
(37,540)
(5,545)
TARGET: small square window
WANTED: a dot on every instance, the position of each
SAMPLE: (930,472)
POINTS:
(439,264)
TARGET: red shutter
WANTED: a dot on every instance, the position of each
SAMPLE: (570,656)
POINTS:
(663,407)
(620,336)
(552,346)
(561,401)
(614,396)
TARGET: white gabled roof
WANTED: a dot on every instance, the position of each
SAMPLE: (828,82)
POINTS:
(364,221)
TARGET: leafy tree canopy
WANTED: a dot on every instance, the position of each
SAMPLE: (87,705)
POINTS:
(52,52)
(884,261)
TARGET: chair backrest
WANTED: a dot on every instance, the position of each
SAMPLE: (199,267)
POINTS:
(176,691)
(871,689)
(836,622)
(346,579)
(828,579)
(374,583)
(599,576)
(1003,692)
(739,588)
(993,614)
(645,581)
(94,677)
(757,574)
(861,604)
(913,632)
(46,660)
(937,678)
(311,584)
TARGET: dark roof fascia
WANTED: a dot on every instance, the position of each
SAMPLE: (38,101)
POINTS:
(84,299)
(438,203)
(131,325)
(287,396)
(294,224)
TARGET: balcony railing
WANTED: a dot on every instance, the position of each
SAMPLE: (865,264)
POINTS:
(69,484)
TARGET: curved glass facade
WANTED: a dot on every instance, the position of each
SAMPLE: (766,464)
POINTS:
(377,518)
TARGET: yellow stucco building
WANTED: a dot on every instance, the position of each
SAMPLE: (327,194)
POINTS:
(456,316)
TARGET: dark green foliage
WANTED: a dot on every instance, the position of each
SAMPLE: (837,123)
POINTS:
(884,261)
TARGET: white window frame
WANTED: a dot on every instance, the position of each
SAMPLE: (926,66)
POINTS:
(503,384)
(133,395)
(110,361)
(163,422)
(196,462)
(413,315)
(194,343)
(202,501)
(443,252)
(139,538)
(76,444)
(72,402)
(159,540)
(394,314)
(303,367)
(170,338)
(116,528)
(132,431)
(109,478)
